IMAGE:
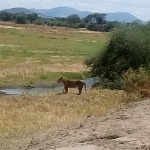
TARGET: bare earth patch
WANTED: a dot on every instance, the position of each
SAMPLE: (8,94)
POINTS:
(6,27)
(127,129)
(10,27)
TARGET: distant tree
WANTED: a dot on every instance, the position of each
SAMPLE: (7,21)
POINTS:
(13,17)
(110,25)
(148,22)
(136,22)
(72,19)
(32,17)
(90,26)
(40,21)
(21,18)
(5,16)
(95,18)
(61,19)
(81,25)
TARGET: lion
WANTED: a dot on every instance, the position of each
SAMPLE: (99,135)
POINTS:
(72,84)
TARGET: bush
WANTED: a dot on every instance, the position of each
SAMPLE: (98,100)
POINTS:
(129,46)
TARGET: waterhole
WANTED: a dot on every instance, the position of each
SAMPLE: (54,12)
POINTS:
(42,90)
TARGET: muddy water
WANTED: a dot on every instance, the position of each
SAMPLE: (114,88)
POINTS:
(42,90)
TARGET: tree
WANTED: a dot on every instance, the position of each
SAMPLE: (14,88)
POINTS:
(148,22)
(39,21)
(110,25)
(100,18)
(137,22)
(72,19)
(5,16)
(21,18)
(32,17)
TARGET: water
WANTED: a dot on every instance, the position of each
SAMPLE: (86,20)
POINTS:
(36,90)
(42,90)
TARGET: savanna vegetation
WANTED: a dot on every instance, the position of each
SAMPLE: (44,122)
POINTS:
(32,55)
(37,54)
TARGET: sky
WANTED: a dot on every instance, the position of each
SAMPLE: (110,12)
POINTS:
(138,8)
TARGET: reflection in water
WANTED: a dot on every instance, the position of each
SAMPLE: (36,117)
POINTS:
(41,90)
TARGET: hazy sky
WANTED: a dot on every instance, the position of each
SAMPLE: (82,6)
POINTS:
(139,8)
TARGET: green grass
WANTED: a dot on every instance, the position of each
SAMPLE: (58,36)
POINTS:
(40,77)
(37,46)
(24,43)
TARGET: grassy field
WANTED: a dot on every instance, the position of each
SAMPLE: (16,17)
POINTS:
(26,114)
(32,54)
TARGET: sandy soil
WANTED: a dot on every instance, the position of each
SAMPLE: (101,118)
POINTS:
(127,129)
(10,27)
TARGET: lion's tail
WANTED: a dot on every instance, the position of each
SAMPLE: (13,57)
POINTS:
(85,87)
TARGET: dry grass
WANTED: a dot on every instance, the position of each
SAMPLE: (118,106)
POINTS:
(137,82)
(27,114)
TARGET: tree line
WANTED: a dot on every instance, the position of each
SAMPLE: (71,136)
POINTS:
(94,22)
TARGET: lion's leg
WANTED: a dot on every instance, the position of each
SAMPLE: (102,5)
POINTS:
(80,89)
(65,89)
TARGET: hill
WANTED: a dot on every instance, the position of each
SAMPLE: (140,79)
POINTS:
(19,10)
(66,11)
(62,12)
(23,10)
(121,16)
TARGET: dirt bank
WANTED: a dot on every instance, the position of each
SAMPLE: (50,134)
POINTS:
(124,130)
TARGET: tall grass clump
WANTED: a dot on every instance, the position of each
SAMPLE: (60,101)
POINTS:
(137,81)
(128,47)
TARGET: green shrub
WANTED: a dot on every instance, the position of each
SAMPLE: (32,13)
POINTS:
(129,46)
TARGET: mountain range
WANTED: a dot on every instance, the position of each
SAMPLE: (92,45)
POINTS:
(66,11)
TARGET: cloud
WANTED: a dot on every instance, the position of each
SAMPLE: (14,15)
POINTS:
(139,8)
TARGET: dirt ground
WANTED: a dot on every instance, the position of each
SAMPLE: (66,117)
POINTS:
(127,129)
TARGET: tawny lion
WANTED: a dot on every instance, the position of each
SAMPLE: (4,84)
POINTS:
(72,84)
